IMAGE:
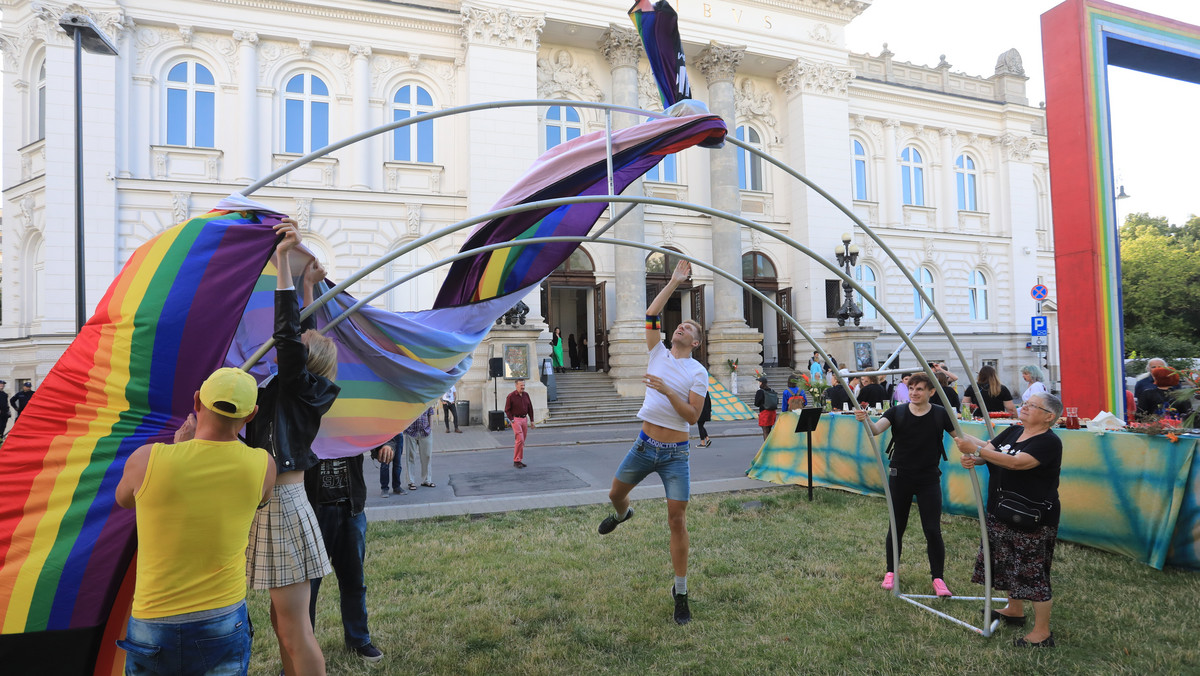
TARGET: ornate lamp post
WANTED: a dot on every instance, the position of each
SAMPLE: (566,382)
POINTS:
(847,257)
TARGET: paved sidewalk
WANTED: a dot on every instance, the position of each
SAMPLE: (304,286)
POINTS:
(567,466)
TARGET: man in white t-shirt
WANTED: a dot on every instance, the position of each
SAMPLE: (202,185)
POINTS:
(449,409)
(675,388)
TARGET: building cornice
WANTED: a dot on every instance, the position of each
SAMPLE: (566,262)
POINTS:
(389,15)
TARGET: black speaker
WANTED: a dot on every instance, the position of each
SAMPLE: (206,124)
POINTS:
(496,421)
(496,367)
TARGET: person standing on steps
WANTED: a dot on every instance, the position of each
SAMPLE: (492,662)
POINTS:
(518,408)
(675,388)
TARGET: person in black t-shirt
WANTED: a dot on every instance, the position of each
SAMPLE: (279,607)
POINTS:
(914,472)
(1025,459)
(872,392)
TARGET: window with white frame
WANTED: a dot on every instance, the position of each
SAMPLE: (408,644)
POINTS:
(413,143)
(968,191)
(39,102)
(867,279)
(925,280)
(305,114)
(191,105)
(562,124)
(750,169)
(912,177)
(977,292)
(858,171)
(666,171)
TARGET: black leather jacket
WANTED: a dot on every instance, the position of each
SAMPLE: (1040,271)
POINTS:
(291,403)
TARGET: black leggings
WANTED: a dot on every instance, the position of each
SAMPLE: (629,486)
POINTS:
(700,426)
(927,489)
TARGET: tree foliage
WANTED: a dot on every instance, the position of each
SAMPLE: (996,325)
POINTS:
(1160,278)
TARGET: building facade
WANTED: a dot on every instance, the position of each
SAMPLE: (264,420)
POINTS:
(208,95)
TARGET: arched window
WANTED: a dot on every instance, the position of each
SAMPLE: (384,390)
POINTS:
(858,173)
(191,105)
(925,279)
(750,173)
(413,143)
(977,293)
(866,278)
(666,171)
(562,124)
(579,261)
(305,114)
(756,266)
(39,113)
(912,177)
(659,264)
(968,194)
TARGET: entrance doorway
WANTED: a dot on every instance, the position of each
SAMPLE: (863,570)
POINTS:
(573,302)
(686,303)
(759,272)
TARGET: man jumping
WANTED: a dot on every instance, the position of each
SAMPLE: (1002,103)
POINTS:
(675,389)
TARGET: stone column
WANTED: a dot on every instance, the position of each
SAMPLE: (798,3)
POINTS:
(947,216)
(1018,198)
(891,214)
(249,167)
(361,173)
(729,338)
(501,64)
(127,54)
(627,339)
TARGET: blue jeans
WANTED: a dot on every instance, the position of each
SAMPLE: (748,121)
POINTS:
(214,644)
(394,466)
(345,538)
(670,461)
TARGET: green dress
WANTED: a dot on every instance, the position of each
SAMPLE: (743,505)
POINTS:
(556,351)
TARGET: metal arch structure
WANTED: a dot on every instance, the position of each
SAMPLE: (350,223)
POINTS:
(988,627)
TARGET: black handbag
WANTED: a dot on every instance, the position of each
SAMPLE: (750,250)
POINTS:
(1019,511)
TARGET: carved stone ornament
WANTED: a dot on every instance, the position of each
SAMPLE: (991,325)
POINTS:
(1009,63)
(181,206)
(983,251)
(361,51)
(668,232)
(648,96)
(26,206)
(622,47)
(1017,147)
(752,104)
(501,28)
(414,220)
(815,77)
(719,62)
(821,33)
(304,213)
(929,249)
(559,78)
(245,38)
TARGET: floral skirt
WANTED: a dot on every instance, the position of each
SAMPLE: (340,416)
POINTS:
(1020,560)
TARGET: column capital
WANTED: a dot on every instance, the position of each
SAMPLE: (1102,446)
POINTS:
(947,131)
(360,51)
(622,47)
(501,27)
(246,38)
(719,62)
(892,124)
(817,77)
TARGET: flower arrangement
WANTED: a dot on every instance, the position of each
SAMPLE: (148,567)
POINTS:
(814,391)
(733,364)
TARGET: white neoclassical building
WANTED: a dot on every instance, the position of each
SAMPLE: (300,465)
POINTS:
(208,95)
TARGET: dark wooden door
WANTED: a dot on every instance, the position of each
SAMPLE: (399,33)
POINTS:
(785,331)
(600,340)
(701,353)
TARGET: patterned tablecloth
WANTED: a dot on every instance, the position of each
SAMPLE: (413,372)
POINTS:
(1126,493)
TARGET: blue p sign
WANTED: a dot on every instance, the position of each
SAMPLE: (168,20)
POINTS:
(1038,326)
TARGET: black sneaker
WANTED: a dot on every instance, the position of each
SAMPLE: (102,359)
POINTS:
(610,522)
(682,614)
(369,652)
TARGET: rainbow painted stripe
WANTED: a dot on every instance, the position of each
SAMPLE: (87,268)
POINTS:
(126,380)
(1080,39)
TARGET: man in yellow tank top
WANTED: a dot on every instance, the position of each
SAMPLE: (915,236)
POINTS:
(195,501)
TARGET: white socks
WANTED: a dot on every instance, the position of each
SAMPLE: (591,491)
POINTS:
(681,585)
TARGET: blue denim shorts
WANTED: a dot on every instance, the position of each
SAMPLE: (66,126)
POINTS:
(208,642)
(669,460)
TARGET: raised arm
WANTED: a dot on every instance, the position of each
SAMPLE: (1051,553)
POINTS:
(653,330)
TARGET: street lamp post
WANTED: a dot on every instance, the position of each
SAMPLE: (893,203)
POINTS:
(89,37)
(847,257)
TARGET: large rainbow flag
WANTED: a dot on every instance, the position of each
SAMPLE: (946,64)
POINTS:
(658,26)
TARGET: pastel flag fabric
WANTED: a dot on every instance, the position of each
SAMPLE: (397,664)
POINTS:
(1130,494)
(127,380)
(390,365)
(577,167)
(725,405)
(658,26)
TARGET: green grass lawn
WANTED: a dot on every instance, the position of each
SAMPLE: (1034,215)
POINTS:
(788,588)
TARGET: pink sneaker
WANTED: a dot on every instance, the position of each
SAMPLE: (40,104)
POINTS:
(888,581)
(940,588)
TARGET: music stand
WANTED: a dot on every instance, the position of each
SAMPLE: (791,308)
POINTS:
(807,422)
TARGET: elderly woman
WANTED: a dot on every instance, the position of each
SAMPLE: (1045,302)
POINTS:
(996,396)
(1024,459)
(1032,375)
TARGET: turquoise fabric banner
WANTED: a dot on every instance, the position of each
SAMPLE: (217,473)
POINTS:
(1130,494)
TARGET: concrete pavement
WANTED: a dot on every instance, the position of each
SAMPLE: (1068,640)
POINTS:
(569,466)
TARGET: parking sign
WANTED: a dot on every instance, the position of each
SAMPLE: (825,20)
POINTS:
(1038,326)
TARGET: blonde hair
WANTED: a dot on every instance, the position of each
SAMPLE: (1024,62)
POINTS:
(699,329)
(322,354)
